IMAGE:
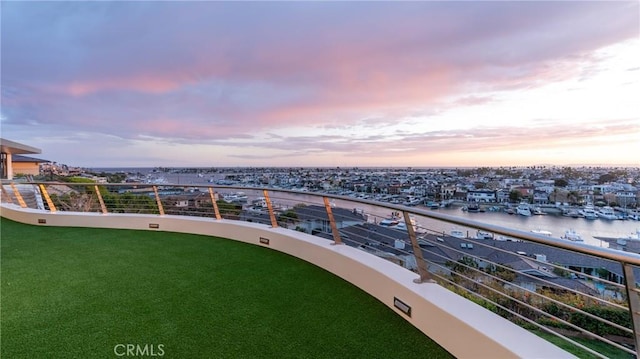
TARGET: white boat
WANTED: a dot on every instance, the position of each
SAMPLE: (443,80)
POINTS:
(571,213)
(541,231)
(396,222)
(538,211)
(634,215)
(238,197)
(589,212)
(572,235)
(607,212)
(390,222)
(472,208)
(523,209)
(507,239)
(484,235)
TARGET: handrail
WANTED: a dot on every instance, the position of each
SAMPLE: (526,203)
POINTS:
(606,253)
(463,275)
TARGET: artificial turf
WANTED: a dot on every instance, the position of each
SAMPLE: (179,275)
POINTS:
(79,292)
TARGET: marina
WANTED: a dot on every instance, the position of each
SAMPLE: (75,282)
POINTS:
(557,225)
(553,225)
(592,223)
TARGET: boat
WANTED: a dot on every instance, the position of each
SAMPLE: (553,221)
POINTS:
(432,205)
(389,222)
(507,239)
(483,235)
(523,209)
(538,211)
(542,232)
(607,212)
(238,197)
(412,201)
(572,235)
(446,203)
(473,208)
(396,222)
(589,212)
(571,213)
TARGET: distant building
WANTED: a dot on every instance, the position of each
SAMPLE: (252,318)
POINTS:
(626,198)
(540,197)
(447,192)
(12,162)
(481,196)
(502,195)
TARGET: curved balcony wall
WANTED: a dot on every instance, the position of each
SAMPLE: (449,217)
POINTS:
(462,327)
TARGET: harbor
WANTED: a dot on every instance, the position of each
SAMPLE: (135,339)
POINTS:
(556,224)
(426,189)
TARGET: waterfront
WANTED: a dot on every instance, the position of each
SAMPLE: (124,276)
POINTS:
(556,224)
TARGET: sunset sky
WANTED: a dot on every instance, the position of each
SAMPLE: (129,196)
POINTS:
(509,83)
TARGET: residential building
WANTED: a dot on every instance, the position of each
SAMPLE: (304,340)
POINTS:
(481,196)
(9,167)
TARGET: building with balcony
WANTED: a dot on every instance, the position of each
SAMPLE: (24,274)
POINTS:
(481,196)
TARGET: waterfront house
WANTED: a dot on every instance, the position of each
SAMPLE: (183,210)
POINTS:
(502,196)
(540,197)
(626,198)
(447,191)
(481,196)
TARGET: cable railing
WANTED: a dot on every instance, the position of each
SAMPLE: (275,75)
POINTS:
(584,296)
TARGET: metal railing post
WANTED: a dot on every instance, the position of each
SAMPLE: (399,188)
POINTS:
(160,208)
(52,207)
(272,216)
(18,195)
(633,299)
(216,211)
(102,206)
(417,252)
(332,222)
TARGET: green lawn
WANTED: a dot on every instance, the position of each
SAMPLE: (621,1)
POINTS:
(79,292)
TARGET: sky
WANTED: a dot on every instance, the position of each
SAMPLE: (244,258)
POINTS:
(306,83)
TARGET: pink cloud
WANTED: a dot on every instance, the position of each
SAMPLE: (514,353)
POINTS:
(204,71)
(153,85)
